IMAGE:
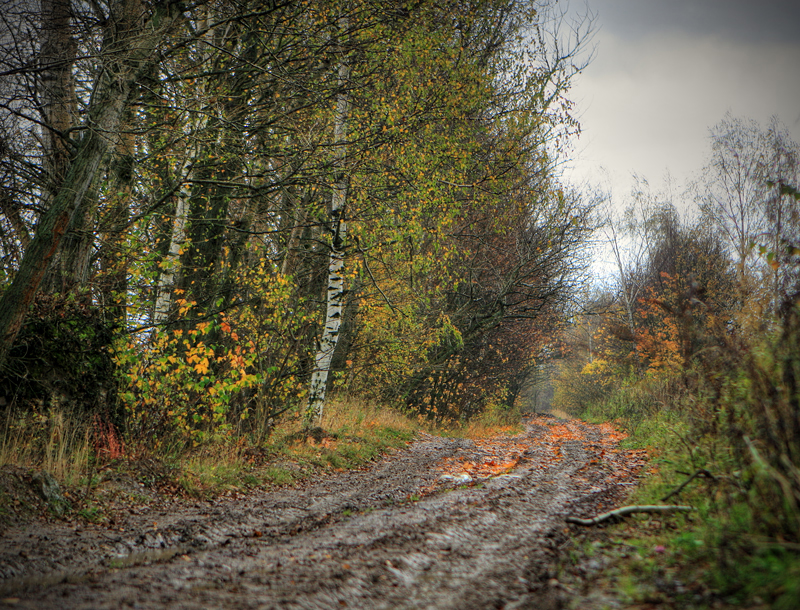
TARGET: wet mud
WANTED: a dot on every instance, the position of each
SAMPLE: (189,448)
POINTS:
(410,531)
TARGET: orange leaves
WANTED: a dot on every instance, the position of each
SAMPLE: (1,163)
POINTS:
(326,442)
(494,456)
(502,454)
(503,458)
(611,434)
(659,337)
(197,356)
(184,306)
(192,381)
(226,328)
(551,442)
(563,432)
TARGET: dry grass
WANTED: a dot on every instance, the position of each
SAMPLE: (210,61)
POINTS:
(355,432)
(350,415)
(58,442)
(491,422)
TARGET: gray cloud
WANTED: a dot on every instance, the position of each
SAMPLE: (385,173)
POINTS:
(665,72)
(744,20)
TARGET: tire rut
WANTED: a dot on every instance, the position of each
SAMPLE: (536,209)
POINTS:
(359,539)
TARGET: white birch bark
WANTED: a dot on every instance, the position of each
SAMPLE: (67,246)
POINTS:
(335,291)
(171,263)
(166,278)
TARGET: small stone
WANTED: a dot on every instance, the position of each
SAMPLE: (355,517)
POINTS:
(47,487)
(460,479)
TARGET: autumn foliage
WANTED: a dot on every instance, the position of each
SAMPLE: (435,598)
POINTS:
(200,248)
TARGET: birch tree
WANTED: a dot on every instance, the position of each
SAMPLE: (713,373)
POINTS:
(194,126)
(338,227)
(379,175)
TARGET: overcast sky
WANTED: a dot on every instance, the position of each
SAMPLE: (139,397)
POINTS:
(665,71)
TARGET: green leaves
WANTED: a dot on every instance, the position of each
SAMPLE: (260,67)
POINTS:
(785,189)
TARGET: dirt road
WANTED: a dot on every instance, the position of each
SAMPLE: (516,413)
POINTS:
(423,528)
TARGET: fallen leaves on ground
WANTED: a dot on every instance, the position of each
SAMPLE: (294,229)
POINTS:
(501,454)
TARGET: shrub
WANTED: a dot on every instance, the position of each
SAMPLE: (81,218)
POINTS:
(62,357)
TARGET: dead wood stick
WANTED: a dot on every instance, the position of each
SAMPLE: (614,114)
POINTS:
(679,489)
(627,510)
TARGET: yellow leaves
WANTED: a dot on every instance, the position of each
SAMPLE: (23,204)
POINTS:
(202,366)
(597,366)
(247,380)
(184,306)
(192,378)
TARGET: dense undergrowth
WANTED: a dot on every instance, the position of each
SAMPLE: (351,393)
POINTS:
(724,437)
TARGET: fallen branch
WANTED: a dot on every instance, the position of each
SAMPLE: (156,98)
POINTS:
(679,489)
(626,510)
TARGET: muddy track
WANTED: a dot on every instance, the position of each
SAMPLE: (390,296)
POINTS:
(394,535)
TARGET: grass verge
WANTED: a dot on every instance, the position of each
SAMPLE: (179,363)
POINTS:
(354,433)
(714,557)
(493,421)
(57,441)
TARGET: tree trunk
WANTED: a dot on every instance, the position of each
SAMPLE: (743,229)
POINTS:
(58,108)
(335,291)
(171,262)
(113,287)
(214,205)
(56,92)
(193,132)
(128,51)
(629,296)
